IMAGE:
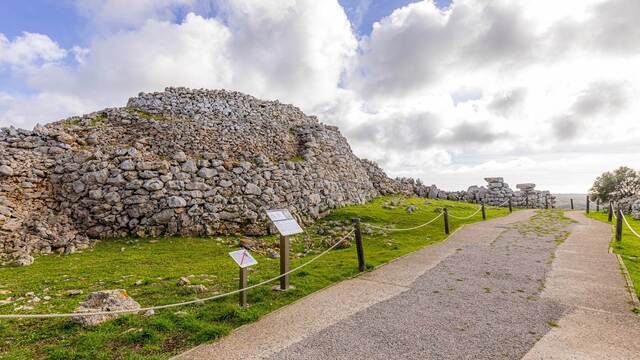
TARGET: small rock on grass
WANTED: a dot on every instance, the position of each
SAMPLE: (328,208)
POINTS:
(183,281)
(107,300)
(198,288)
(24,260)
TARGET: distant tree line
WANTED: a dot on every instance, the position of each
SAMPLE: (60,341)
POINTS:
(615,185)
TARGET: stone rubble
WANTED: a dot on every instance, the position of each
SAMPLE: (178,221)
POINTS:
(186,162)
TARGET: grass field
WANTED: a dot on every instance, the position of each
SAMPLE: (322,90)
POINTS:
(628,248)
(149,268)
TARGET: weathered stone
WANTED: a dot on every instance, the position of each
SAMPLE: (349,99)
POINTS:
(100,301)
(6,170)
(24,260)
(183,281)
(252,189)
(207,173)
(153,185)
(128,165)
(176,201)
(180,156)
(189,166)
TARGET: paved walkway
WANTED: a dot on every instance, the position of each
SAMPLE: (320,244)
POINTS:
(475,296)
(587,279)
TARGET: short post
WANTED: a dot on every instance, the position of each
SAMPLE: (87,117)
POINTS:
(546,201)
(610,211)
(598,204)
(484,212)
(243,285)
(446,221)
(571,204)
(588,202)
(359,248)
(284,262)
(510,206)
(619,225)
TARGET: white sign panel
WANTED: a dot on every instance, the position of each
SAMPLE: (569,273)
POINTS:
(284,222)
(243,258)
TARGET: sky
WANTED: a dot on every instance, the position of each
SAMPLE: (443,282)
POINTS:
(447,91)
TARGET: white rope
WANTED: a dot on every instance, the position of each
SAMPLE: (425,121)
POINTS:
(505,202)
(197,301)
(629,226)
(466,217)
(408,229)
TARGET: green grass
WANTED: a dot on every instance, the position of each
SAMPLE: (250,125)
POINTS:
(113,264)
(71,122)
(628,248)
(146,115)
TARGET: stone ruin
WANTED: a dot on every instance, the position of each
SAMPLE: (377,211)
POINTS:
(178,162)
(185,162)
(496,193)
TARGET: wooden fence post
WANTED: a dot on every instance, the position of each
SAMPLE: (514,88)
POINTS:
(546,201)
(510,206)
(571,204)
(610,211)
(588,202)
(598,204)
(484,212)
(359,247)
(446,221)
(619,225)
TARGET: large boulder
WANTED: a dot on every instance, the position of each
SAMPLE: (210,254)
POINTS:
(106,300)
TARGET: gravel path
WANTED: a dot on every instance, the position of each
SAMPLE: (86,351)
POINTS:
(481,302)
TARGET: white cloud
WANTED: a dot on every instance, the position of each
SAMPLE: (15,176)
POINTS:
(29,49)
(290,50)
(502,88)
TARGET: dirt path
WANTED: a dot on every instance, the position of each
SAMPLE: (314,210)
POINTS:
(475,296)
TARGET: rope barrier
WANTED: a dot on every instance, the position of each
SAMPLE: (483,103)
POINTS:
(159,307)
(407,229)
(629,226)
(466,217)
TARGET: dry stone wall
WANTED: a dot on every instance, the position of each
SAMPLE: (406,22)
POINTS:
(184,162)
(179,162)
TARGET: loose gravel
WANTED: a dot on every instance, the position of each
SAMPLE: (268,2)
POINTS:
(480,303)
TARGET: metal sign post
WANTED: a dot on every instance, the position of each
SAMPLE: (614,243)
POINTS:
(286,225)
(244,259)
(284,262)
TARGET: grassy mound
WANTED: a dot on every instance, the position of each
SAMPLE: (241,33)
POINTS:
(149,268)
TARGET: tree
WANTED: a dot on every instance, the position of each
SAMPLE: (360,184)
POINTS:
(619,184)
